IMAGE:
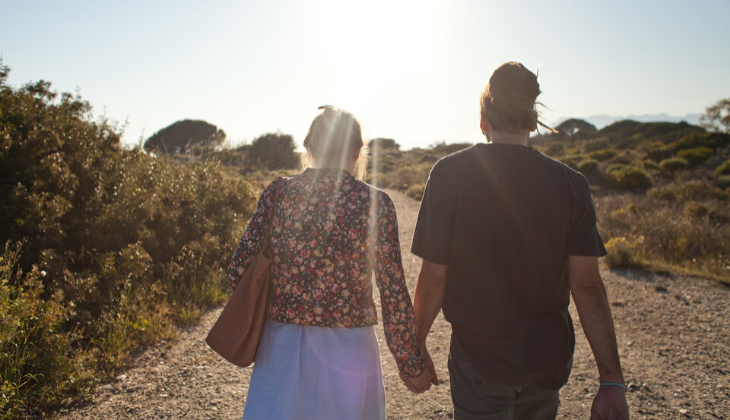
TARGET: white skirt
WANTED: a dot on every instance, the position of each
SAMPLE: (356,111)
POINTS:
(316,373)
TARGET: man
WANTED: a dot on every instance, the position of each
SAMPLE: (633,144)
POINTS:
(506,235)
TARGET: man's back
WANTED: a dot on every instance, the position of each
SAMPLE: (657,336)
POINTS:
(504,218)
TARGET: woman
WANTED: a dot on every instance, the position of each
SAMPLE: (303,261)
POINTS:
(318,357)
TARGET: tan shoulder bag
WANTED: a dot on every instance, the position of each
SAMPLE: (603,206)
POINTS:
(237,332)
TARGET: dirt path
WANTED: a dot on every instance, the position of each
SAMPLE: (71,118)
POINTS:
(674,340)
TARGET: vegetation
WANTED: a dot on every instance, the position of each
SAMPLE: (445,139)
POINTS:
(105,249)
(273,151)
(620,254)
(626,177)
(673,164)
(717,116)
(696,156)
(183,136)
(673,173)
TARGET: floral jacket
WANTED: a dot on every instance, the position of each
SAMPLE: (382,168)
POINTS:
(330,231)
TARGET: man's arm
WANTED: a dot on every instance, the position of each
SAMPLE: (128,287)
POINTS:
(591,300)
(427,304)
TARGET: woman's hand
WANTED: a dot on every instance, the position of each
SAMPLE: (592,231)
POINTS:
(420,384)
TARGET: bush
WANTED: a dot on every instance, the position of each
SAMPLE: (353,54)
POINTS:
(38,367)
(588,166)
(658,151)
(117,244)
(182,136)
(693,190)
(696,156)
(650,166)
(274,151)
(597,144)
(625,177)
(416,191)
(674,164)
(620,254)
(602,155)
(723,168)
(572,160)
(707,140)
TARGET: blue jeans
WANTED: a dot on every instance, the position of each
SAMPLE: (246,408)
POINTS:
(476,397)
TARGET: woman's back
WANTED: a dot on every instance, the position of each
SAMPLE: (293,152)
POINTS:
(330,232)
(322,246)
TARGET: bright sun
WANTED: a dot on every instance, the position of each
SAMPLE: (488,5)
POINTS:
(371,46)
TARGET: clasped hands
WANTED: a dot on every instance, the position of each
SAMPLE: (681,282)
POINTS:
(427,378)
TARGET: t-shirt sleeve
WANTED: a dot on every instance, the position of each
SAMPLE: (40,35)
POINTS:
(584,239)
(434,227)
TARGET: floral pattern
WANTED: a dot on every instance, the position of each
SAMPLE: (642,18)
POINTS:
(330,232)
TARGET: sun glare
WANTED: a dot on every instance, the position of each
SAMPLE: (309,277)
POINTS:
(371,47)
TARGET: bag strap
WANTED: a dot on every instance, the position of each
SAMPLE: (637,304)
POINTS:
(270,223)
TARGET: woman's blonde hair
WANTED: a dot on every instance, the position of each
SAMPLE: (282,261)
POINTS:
(334,137)
(509,101)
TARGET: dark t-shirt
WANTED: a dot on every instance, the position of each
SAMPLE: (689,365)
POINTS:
(505,218)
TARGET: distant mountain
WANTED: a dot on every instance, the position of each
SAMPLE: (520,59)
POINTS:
(603,120)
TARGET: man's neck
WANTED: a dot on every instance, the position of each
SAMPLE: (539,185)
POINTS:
(519,138)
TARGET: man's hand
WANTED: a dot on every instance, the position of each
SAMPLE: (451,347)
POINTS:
(591,300)
(610,404)
(429,365)
(418,385)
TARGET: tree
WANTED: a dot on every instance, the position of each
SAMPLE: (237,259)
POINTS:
(575,128)
(379,144)
(181,136)
(273,151)
(717,116)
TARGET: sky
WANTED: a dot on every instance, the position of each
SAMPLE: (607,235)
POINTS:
(412,71)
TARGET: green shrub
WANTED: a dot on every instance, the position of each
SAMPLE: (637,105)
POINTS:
(603,155)
(696,156)
(588,166)
(620,254)
(117,244)
(38,366)
(674,164)
(597,144)
(692,190)
(650,166)
(626,157)
(415,191)
(572,160)
(708,140)
(723,168)
(274,151)
(625,177)
(658,151)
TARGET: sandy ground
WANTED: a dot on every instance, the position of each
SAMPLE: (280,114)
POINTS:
(673,333)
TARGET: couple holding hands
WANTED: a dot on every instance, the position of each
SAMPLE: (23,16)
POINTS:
(506,235)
